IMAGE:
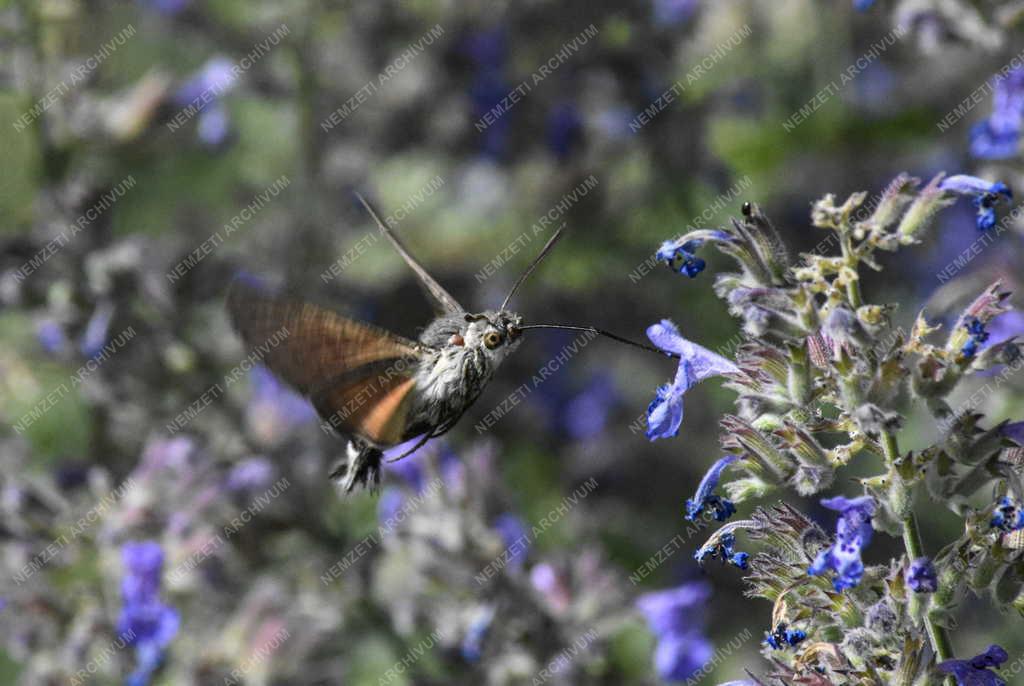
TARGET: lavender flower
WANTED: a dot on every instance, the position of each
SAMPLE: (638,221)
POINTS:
(204,92)
(147,623)
(51,337)
(390,502)
(696,363)
(998,137)
(675,618)
(273,409)
(984,195)
(512,530)
(95,336)
(975,672)
(853,532)
(1007,516)
(722,507)
(921,576)
(251,474)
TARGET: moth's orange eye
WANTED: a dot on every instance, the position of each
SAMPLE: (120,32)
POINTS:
(492,339)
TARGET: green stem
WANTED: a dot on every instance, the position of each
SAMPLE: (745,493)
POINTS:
(912,542)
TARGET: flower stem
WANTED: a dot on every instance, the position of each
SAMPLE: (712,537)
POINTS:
(912,542)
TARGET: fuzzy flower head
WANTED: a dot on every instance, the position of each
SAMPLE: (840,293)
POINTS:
(853,533)
(696,363)
(975,672)
(998,137)
(1007,516)
(921,576)
(705,498)
(984,195)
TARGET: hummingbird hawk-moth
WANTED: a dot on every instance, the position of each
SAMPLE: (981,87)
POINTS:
(378,389)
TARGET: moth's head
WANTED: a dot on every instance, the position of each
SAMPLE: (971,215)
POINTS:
(495,333)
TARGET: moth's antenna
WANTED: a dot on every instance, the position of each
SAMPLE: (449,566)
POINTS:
(602,332)
(533,265)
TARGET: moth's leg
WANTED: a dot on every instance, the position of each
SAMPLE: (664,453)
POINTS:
(361,466)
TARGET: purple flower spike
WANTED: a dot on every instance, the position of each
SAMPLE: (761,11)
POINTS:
(921,576)
(853,533)
(975,672)
(722,507)
(696,363)
(145,622)
(983,194)
(675,617)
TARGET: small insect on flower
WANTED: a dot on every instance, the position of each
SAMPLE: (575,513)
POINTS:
(665,413)
(783,637)
(975,672)
(722,546)
(1007,516)
(983,194)
(722,508)
(853,533)
(921,576)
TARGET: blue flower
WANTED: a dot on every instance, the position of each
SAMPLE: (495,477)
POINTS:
(722,547)
(564,130)
(586,414)
(472,642)
(853,533)
(998,137)
(95,336)
(665,413)
(1007,516)
(983,194)
(673,12)
(1014,431)
(51,337)
(722,507)
(203,92)
(145,622)
(513,533)
(783,637)
(974,672)
(976,329)
(863,5)
(390,502)
(921,576)
(682,257)
(676,616)
(250,474)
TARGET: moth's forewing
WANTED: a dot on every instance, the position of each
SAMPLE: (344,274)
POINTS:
(358,376)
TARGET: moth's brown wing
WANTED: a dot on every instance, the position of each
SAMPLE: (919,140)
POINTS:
(374,405)
(309,346)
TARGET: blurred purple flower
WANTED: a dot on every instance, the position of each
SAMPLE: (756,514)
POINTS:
(488,51)
(547,581)
(391,501)
(1015,432)
(705,497)
(513,532)
(665,413)
(984,196)
(251,474)
(167,453)
(145,622)
(863,5)
(675,617)
(51,337)
(1005,327)
(586,414)
(166,7)
(974,672)
(564,130)
(472,642)
(673,12)
(1007,516)
(410,467)
(853,533)
(921,576)
(274,409)
(203,91)
(96,330)
(998,137)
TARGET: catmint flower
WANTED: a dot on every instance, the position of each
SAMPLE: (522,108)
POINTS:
(675,617)
(853,532)
(51,337)
(984,195)
(681,257)
(975,672)
(976,329)
(1007,516)
(513,532)
(921,576)
(998,137)
(95,336)
(722,507)
(148,624)
(783,637)
(696,363)
(722,547)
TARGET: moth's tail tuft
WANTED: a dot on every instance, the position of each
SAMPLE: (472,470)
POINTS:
(360,467)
